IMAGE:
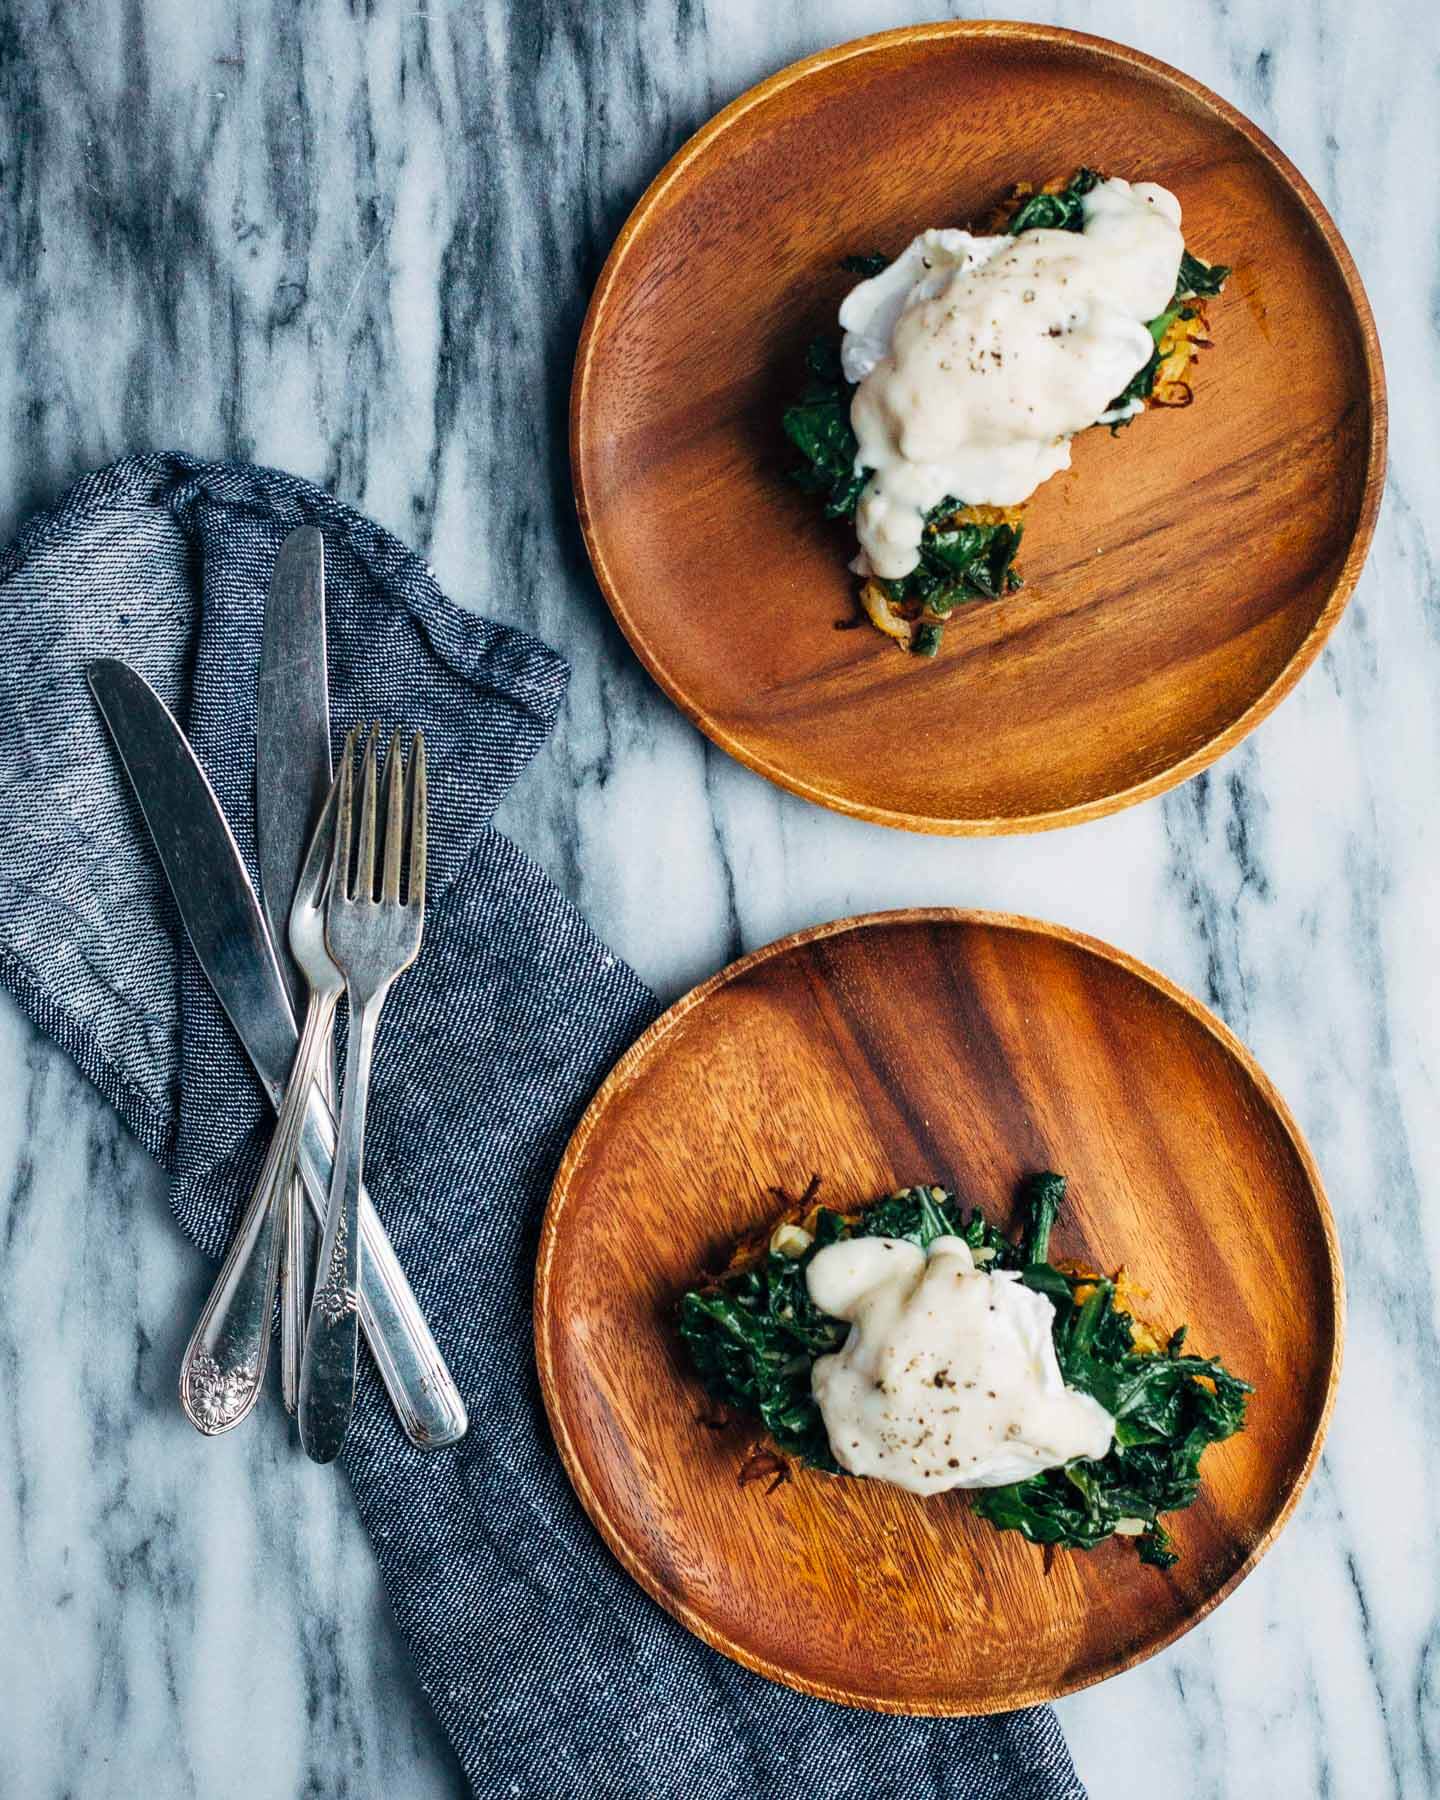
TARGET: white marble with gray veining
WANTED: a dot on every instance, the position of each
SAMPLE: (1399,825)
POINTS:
(355,240)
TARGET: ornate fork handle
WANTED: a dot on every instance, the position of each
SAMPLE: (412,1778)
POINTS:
(223,1368)
(297,1252)
(327,1373)
(421,1387)
(294,1275)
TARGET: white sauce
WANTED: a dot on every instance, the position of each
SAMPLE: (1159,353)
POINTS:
(979,358)
(948,1377)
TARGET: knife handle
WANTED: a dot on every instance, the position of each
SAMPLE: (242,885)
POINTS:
(297,1250)
(420,1387)
(223,1368)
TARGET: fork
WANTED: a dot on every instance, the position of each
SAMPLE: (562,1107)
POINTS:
(223,1368)
(371,940)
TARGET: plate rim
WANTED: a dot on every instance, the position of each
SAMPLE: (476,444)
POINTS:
(1343,585)
(547,1325)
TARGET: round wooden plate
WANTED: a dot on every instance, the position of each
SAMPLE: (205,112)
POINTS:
(1180,578)
(968,1048)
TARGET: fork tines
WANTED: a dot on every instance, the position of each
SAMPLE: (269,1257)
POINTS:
(404,837)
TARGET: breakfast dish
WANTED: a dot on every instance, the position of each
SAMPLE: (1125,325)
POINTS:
(878,1051)
(967,365)
(1175,590)
(914,1345)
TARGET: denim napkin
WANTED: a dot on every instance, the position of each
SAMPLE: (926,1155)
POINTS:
(553,1675)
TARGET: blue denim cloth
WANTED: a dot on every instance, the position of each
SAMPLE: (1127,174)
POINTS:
(552,1673)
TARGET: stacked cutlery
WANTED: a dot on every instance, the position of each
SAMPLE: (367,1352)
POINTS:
(249,964)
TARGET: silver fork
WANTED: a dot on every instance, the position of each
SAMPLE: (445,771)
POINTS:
(223,1369)
(372,940)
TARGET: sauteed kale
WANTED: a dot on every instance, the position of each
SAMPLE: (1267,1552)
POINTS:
(967,553)
(754,1334)
(964,554)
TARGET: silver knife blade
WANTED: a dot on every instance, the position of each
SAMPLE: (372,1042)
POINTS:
(222,916)
(292,734)
(202,864)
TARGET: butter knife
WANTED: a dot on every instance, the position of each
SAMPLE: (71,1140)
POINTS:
(292,779)
(222,917)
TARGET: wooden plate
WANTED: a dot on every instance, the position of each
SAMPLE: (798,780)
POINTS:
(969,1048)
(1180,578)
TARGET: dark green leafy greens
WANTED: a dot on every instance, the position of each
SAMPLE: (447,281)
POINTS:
(1065,211)
(753,1337)
(957,562)
(754,1334)
(967,562)
(1196,281)
(818,425)
(1055,212)
(873,262)
(1167,1408)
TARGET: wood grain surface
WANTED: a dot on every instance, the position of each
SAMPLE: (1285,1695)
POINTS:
(1180,577)
(970,1049)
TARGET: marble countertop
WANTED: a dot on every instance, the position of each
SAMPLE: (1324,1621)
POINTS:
(357,242)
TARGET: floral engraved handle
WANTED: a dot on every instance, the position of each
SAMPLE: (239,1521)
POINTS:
(336,1298)
(217,1398)
(332,1340)
(223,1368)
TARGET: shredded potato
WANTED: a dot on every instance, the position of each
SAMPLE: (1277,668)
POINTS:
(1124,1298)
(1181,345)
(884,615)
